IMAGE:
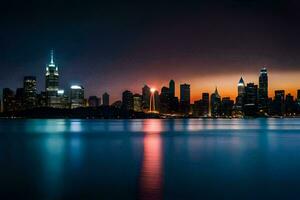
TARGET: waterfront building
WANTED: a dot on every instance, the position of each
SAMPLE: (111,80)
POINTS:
(52,83)
(127,100)
(227,107)
(105,99)
(94,101)
(165,100)
(8,100)
(30,91)
(279,103)
(76,96)
(290,105)
(185,94)
(137,103)
(19,98)
(146,97)
(41,99)
(251,98)
(240,99)
(215,104)
(172,88)
(205,103)
(263,91)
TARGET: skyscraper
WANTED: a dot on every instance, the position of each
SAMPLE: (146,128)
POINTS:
(105,99)
(137,103)
(8,100)
(19,98)
(215,104)
(52,83)
(146,97)
(185,94)
(127,100)
(172,88)
(29,86)
(205,102)
(76,96)
(240,99)
(164,100)
(250,105)
(279,103)
(263,91)
(290,105)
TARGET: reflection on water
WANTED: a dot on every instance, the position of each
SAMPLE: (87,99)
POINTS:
(151,173)
(150,159)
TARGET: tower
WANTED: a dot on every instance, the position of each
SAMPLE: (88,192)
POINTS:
(29,86)
(52,82)
(263,91)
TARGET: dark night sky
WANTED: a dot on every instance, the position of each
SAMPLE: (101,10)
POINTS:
(122,45)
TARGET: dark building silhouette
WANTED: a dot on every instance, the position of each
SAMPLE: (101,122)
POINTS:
(263,91)
(30,91)
(165,100)
(127,100)
(42,99)
(251,98)
(279,103)
(157,101)
(290,105)
(173,102)
(215,104)
(8,100)
(146,97)
(105,99)
(19,98)
(94,101)
(201,107)
(117,104)
(226,107)
(185,95)
(172,88)
(205,102)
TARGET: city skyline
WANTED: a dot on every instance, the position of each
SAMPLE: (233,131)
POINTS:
(206,84)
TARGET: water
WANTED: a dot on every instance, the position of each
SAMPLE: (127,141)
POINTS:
(150,159)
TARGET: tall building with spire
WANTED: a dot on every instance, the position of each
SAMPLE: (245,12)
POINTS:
(215,103)
(52,83)
(240,99)
(263,91)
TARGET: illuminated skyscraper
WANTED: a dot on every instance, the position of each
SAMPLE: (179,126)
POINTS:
(76,96)
(52,83)
(105,99)
(240,99)
(29,86)
(263,91)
